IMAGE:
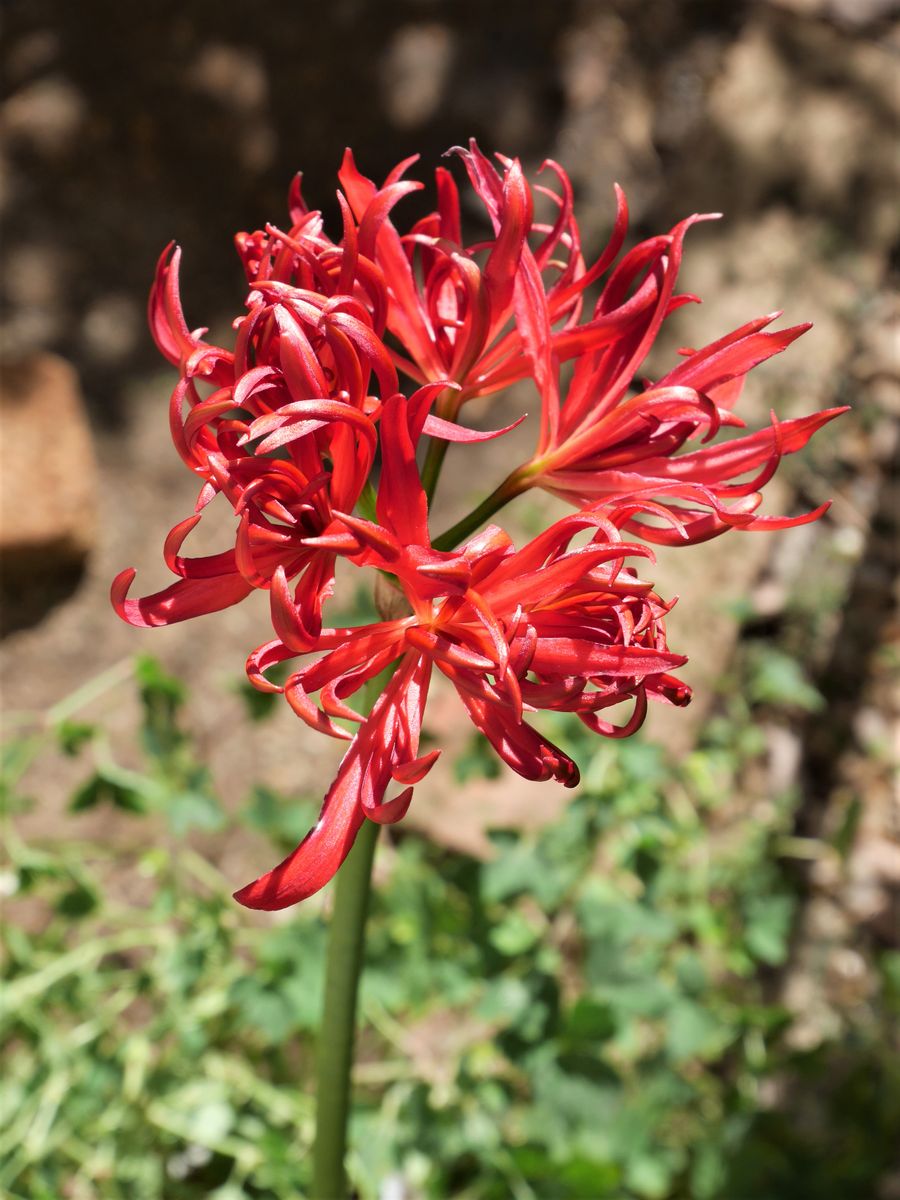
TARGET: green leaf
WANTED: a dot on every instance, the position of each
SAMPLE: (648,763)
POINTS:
(506,998)
(572,1094)
(691,1031)
(776,678)
(73,735)
(155,682)
(194,810)
(889,966)
(263,1010)
(162,696)
(768,928)
(16,756)
(513,871)
(78,901)
(590,1021)
(284,819)
(709,1171)
(228,1191)
(257,705)
(604,912)
(649,1176)
(844,836)
(210,1122)
(102,788)
(477,761)
(514,935)
(692,975)
(545,866)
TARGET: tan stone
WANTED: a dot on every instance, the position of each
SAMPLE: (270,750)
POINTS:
(48,471)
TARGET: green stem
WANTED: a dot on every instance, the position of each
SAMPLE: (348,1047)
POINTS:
(513,485)
(338,1028)
(447,405)
(110,678)
(431,467)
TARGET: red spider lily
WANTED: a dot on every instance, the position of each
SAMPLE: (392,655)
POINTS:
(294,423)
(546,627)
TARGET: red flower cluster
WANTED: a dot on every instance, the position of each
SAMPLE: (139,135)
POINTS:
(303,427)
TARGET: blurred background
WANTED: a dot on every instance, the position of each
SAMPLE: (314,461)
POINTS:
(682,984)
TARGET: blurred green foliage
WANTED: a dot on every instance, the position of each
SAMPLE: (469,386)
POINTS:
(585,1016)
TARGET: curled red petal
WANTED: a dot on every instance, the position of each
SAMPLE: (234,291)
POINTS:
(179,602)
(287,619)
(449,431)
(389,812)
(259,661)
(316,859)
(632,725)
(416,770)
(528,752)
(164,313)
(771,523)
(208,567)
(420,402)
(309,712)
(358,791)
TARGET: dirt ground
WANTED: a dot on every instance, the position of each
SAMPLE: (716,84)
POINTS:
(124,129)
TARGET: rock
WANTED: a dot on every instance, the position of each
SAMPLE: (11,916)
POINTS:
(415,72)
(606,133)
(48,484)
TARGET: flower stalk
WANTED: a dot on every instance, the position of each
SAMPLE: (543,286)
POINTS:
(512,486)
(431,467)
(304,428)
(337,1032)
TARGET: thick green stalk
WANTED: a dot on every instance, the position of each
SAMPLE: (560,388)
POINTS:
(511,487)
(431,468)
(338,1029)
(447,405)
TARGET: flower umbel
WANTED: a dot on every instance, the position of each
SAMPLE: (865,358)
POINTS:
(303,428)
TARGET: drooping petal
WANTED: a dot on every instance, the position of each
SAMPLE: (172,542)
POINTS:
(288,617)
(179,602)
(208,567)
(317,858)
(521,747)
(357,792)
